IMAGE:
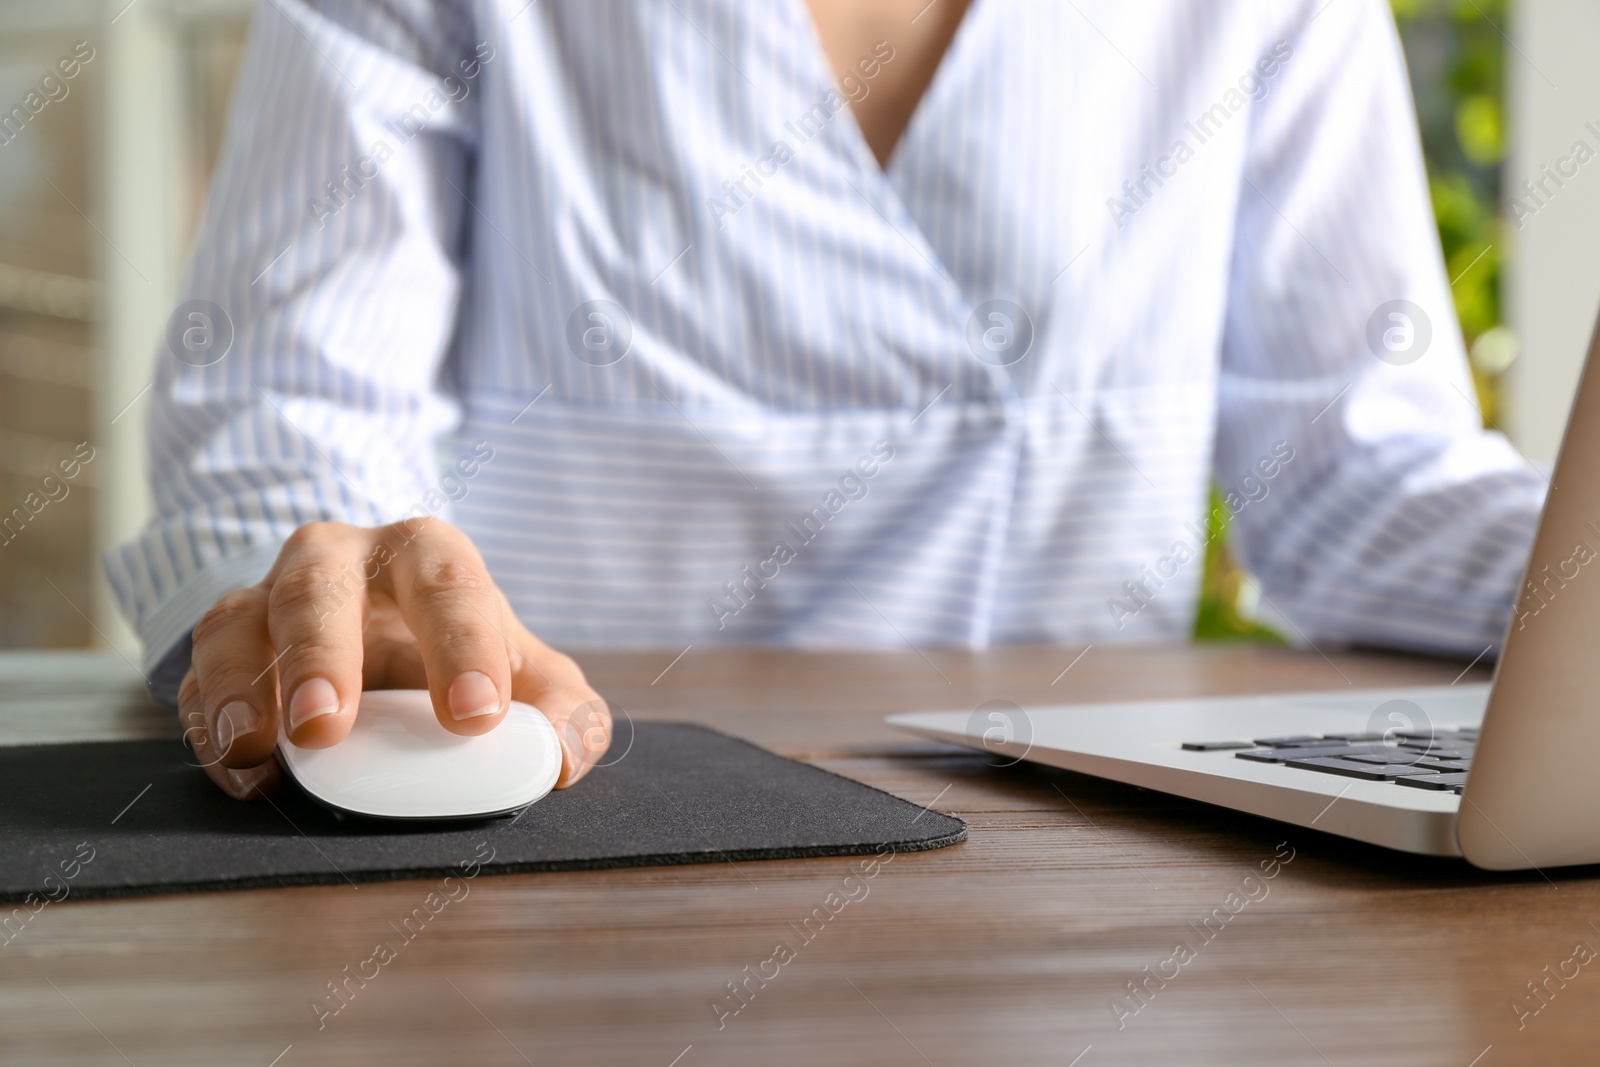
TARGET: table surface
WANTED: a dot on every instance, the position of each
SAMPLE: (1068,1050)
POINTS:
(1007,948)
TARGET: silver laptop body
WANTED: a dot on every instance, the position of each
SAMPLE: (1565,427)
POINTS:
(1520,750)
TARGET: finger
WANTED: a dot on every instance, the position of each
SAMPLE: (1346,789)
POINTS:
(251,783)
(316,612)
(248,783)
(233,663)
(192,717)
(555,684)
(452,607)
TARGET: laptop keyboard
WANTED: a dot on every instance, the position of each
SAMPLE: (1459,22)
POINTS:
(1418,759)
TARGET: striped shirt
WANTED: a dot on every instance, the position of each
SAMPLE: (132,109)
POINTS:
(618,287)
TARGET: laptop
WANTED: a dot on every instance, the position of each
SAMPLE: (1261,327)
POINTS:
(1505,774)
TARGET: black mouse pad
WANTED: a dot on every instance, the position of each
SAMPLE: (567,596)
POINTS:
(116,818)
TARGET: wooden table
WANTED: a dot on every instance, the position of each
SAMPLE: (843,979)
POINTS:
(1007,949)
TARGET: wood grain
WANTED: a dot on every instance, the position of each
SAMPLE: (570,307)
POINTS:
(1007,949)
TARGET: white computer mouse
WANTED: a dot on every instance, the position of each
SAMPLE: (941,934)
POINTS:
(399,763)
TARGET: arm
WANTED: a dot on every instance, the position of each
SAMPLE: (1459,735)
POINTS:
(1399,520)
(331,251)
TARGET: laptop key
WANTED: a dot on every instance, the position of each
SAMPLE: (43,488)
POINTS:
(1439,755)
(1440,782)
(1447,766)
(1216,746)
(1278,742)
(1389,757)
(1441,751)
(1372,772)
(1282,755)
(1354,737)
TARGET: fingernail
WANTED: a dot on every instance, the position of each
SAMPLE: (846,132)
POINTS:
(236,717)
(248,779)
(473,694)
(572,738)
(315,697)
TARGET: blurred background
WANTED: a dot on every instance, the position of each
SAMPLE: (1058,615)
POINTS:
(103,174)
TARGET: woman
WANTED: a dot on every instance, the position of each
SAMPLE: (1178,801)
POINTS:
(639,324)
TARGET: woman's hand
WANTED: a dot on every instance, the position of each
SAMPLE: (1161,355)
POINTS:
(347,608)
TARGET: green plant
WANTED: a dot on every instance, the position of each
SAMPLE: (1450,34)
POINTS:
(1456,50)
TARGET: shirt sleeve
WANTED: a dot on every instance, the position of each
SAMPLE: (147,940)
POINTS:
(300,376)
(1398,520)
